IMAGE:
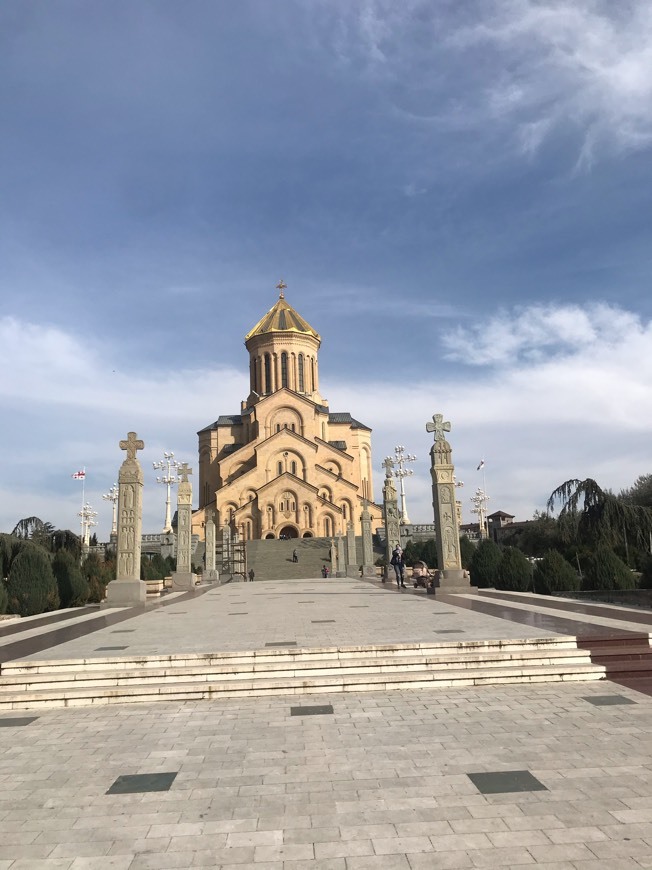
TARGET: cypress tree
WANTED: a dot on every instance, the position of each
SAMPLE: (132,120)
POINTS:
(73,587)
(31,585)
(606,571)
(485,564)
(554,574)
(514,571)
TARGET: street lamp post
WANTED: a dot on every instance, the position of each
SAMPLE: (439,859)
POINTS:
(169,465)
(401,458)
(479,500)
(112,496)
(87,515)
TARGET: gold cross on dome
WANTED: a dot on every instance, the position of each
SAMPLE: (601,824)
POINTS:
(281,286)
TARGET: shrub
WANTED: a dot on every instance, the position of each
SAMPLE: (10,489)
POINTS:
(604,570)
(72,586)
(31,585)
(98,574)
(467,551)
(485,564)
(554,574)
(514,571)
(645,581)
(4,597)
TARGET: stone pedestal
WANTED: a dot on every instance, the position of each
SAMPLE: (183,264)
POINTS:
(128,589)
(183,577)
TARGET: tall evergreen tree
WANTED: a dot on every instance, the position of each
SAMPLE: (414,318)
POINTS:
(553,574)
(606,571)
(514,571)
(31,585)
(485,564)
(72,586)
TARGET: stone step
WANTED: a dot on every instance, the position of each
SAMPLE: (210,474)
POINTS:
(117,676)
(22,700)
(549,644)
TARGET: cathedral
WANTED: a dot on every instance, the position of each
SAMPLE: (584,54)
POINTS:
(286,466)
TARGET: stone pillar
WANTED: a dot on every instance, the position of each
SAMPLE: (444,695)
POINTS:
(368,567)
(352,568)
(341,563)
(452,578)
(128,589)
(334,566)
(390,513)
(210,571)
(183,577)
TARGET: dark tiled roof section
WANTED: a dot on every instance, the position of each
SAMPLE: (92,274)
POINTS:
(231,448)
(229,420)
(340,445)
(345,417)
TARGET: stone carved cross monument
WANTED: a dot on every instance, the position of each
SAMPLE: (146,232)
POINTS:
(390,512)
(368,568)
(183,578)
(351,552)
(452,578)
(128,589)
(210,571)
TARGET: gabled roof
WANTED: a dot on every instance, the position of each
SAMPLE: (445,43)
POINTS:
(282,318)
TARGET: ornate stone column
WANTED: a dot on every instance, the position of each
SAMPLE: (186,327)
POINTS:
(452,578)
(368,567)
(390,513)
(341,570)
(183,577)
(210,571)
(128,589)
(333,551)
(352,569)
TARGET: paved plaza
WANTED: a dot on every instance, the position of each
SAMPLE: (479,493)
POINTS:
(342,781)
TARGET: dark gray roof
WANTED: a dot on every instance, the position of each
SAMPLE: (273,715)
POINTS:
(231,448)
(345,417)
(340,445)
(229,420)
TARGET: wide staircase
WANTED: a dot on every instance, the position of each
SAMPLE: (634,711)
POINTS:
(272,560)
(33,685)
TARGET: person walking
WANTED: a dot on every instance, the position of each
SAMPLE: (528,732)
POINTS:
(251,575)
(295,556)
(398,562)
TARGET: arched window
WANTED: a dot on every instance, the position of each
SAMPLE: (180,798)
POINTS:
(294,467)
(312,373)
(280,468)
(301,379)
(344,511)
(268,374)
(284,369)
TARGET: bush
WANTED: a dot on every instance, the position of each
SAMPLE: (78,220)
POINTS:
(4,598)
(514,571)
(72,586)
(554,574)
(485,564)
(604,570)
(31,585)
(645,581)
(98,574)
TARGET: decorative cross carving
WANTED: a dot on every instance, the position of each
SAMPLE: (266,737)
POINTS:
(281,286)
(388,465)
(184,471)
(131,445)
(438,427)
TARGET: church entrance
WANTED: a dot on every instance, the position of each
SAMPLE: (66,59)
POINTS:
(288,532)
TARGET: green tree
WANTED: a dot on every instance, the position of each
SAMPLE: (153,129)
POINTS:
(640,493)
(35,530)
(645,581)
(514,571)
(604,570)
(4,597)
(72,585)
(535,537)
(98,575)
(31,585)
(485,564)
(590,515)
(467,551)
(554,574)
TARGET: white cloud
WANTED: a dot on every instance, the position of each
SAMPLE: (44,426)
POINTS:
(551,393)
(537,66)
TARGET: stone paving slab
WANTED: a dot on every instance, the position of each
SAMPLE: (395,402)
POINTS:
(310,613)
(382,782)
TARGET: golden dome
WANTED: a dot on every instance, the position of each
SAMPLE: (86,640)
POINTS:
(282,318)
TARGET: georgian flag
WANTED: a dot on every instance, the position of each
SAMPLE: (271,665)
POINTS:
(481,465)
(79,475)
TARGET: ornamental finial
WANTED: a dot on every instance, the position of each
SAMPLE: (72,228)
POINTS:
(281,287)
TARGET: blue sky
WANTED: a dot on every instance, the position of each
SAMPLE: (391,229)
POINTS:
(457,196)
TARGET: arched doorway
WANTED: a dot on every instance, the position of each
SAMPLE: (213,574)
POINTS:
(269,536)
(288,532)
(307,534)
